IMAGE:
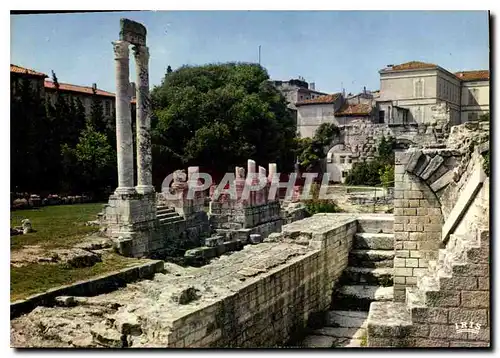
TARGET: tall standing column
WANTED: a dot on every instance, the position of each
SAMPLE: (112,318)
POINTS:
(124,139)
(143,121)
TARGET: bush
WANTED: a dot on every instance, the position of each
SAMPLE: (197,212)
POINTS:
(365,173)
(317,205)
(486,164)
(387,176)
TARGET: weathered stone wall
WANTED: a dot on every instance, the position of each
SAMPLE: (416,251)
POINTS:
(452,293)
(418,218)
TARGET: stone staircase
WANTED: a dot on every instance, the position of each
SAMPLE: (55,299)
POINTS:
(167,215)
(448,293)
(367,279)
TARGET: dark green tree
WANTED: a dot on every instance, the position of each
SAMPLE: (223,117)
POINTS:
(28,126)
(218,116)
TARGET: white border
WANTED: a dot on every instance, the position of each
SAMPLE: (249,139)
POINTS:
(205,5)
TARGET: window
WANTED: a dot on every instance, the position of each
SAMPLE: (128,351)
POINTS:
(381,116)
(419,88)
(472,116)
(473,96)
(107,108)
(344,174)
(342,160)
(349,160)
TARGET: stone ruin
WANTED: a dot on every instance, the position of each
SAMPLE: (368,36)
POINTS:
(141,222)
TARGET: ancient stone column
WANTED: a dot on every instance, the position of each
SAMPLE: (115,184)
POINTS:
(124,140)
(143,121)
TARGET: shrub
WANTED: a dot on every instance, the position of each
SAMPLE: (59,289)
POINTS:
(387,176)
(317,205)
(486,164)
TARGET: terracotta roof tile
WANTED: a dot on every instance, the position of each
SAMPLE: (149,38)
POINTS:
(330,98)
(19,69)
(481,75)
(412,65)
(75,88)
(361,109)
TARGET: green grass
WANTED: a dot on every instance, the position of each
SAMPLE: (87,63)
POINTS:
(56,226)
(36,278)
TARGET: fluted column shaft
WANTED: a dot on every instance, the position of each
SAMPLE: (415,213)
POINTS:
(143,121)
(124,137)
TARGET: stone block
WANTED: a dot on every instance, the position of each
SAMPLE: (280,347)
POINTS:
(411,262)
(429,315)
(475,299)
(458,315)
(433,165)
(255,238)
(214,241)
(413,160)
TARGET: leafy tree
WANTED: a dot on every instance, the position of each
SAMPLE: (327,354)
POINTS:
(310,152)
(93,158)
(169,69)
(28,125)
(218,116)
(378,171)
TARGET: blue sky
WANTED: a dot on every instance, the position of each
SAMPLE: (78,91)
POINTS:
(325,47)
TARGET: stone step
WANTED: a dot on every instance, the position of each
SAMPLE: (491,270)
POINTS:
(172,220)
(388,319)
(342,329)
(427,282)
(367,275)
(383,224)
(164,209)
(346,319)
(371,258)
(164,215)
(359,297)
(414,298)
(373,241)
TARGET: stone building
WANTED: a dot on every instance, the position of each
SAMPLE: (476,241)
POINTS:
(85,94)
(17,73)
(297,90)
(417,103)
(475,94)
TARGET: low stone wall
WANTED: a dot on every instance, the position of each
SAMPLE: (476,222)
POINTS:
(91,287)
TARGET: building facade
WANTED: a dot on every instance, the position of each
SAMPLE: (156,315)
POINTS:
(297,90)
(417,103)
(35,78)
(85,94)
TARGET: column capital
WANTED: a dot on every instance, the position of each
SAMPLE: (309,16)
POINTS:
(141,53)
(121,49)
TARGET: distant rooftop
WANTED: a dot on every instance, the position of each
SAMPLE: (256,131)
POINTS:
(479,75)
(330,98)
(361,109)
(23,70)
(76,88)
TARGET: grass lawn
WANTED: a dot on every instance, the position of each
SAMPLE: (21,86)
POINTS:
(57,227)
(37,278)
